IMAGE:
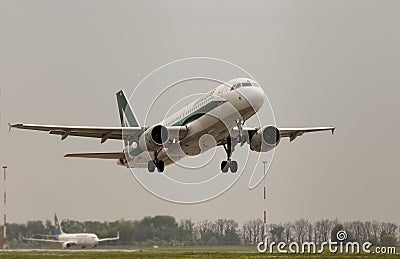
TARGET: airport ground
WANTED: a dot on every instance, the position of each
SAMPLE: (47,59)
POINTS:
(170,253)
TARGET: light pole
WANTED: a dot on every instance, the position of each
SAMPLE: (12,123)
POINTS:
(265,205)
(5,245)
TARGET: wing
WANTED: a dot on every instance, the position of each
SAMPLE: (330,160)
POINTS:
(42,240)
(47,236)
(293,133)
(103,133)
(110,238)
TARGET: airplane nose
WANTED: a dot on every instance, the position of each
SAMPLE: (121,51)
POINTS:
(254,95)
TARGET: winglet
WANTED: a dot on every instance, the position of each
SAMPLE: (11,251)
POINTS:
(333,129)
(10,126)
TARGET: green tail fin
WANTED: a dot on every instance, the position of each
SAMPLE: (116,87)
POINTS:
(126,115)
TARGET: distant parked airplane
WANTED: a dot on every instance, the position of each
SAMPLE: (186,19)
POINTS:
(79,239)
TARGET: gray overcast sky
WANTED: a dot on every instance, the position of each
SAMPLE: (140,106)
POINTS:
(320,62)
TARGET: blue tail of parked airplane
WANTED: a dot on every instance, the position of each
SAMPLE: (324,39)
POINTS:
(57,223)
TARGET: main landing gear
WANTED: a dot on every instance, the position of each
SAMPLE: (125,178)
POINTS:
(228,164)
(155,163)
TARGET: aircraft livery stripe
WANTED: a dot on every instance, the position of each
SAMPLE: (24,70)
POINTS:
(198,113)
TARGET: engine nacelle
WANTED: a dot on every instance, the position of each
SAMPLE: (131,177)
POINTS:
(153,138)
(265,139)
(66,245)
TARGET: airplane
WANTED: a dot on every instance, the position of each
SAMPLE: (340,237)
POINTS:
(68,240)
(220,113)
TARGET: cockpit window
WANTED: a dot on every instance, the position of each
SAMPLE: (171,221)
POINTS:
(235,86)
(238,85)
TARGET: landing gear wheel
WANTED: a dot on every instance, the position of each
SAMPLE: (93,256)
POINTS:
(155,163)
(224,166)
(151,166)
(234,166)
(229,164)
(160,166)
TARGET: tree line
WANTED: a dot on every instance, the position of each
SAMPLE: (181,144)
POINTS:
(165,230)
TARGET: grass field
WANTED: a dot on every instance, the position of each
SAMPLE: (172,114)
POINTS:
(169,253)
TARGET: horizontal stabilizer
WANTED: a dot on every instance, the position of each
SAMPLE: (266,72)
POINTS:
(110,155)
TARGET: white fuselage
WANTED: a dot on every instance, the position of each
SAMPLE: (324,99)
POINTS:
(215,114)
(78,239)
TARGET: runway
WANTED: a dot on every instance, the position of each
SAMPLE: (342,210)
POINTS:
(89,250)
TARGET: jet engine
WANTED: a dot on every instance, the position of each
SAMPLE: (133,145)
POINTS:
(153,138)
(66,244)
(265,139)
